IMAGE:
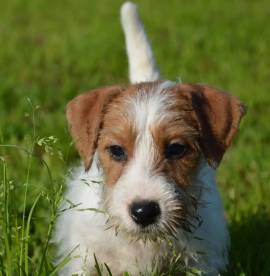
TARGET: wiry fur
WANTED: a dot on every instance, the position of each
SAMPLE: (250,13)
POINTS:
(96,219)
(205,248)
(200,233)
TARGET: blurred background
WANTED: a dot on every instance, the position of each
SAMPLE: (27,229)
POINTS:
(50,51)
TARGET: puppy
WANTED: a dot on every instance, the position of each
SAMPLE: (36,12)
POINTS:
(146,193)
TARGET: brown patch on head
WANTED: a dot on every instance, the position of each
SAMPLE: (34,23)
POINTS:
(203,118)
(178,128)
(117,129)
(217,115)
(85,115)
(103,109)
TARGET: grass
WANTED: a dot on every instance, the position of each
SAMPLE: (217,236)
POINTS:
(52,50)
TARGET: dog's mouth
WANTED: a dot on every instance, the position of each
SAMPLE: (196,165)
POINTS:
(151,233)
(169,216)
(173,221)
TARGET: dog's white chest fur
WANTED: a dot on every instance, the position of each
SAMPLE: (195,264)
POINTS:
(86,230)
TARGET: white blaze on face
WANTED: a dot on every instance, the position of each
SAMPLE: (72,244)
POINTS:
(138,181)
(147,109)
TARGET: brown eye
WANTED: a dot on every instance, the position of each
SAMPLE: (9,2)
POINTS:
(175,151)
(117,153)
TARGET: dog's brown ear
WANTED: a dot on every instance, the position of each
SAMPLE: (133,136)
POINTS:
(84,115)
(218,116)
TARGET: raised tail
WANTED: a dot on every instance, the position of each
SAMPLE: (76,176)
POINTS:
(142,65)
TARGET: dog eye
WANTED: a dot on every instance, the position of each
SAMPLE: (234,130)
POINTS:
(175,151)
(117,153)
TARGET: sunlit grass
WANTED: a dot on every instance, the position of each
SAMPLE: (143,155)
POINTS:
(52,50)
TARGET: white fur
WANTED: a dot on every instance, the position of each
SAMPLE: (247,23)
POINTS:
(142,65)
(86,229)
(149,108)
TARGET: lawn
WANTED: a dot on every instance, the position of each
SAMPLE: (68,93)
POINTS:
(52,50)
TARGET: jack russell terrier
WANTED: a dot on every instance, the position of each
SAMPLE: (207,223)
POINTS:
(146,194)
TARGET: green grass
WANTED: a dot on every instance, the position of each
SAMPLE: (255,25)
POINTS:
(52,50)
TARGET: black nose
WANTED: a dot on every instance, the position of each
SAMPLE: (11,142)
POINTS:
(144,212)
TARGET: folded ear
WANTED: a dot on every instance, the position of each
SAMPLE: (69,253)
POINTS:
(218,116)
(84,115)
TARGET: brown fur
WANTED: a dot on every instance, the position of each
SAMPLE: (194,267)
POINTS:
(116,130)
(84,114)
(218,116)
(206,119)
(177,170)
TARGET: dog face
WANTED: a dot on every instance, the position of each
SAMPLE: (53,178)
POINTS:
(149,140)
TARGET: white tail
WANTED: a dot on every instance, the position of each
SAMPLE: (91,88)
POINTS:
(142,66)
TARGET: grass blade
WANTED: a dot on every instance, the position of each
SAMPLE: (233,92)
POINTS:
(26,269)
(98,270)
(108,269)
(63,262)
(7,237)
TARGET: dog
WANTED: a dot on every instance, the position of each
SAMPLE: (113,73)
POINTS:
(146,193)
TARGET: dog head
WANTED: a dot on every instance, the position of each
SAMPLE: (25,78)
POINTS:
(149,139)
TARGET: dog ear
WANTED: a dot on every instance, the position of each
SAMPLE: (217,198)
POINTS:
(84,115)
(218,116)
